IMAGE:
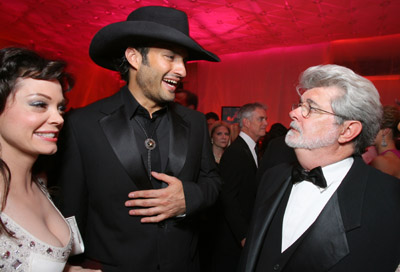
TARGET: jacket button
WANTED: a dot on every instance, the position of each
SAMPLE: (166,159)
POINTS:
(276,267)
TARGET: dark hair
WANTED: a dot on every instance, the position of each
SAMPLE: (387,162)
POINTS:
(391,119)
(212,115)
(191,98)
(122,65)
(18,63)
(23,63)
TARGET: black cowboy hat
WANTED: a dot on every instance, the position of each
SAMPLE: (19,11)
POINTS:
(143,26)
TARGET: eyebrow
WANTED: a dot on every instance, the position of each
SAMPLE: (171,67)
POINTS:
(39,94)
(312,102)
(62,102)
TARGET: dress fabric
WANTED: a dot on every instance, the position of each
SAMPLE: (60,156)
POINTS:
(26,253)
(395,151)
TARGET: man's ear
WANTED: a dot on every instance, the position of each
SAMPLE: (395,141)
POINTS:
(246,122)
(350,130)
(134,57)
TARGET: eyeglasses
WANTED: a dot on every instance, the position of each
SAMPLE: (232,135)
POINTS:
(306,110)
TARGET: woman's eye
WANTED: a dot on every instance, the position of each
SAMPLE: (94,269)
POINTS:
(62,109)
(39,104)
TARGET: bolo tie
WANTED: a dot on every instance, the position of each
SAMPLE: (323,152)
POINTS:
(149,143)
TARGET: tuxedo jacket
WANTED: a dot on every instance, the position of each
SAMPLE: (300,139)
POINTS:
(358,230)
(100,164)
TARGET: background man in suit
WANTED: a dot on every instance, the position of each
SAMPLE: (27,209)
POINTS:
(238,169)
(136,167)
(349,219)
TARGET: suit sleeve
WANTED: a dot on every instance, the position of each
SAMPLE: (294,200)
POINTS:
(204,191)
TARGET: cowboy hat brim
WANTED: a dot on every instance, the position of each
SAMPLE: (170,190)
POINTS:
(110,42)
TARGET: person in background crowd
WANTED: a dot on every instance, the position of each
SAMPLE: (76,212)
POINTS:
(220,139)
(220,136)
(137,168)
(388,159)
(34,236)
(277,152)
(186,98)
(276,130)
(211,118)
(331,211)
(238,169)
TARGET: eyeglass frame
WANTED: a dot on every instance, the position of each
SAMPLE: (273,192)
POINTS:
(309,108)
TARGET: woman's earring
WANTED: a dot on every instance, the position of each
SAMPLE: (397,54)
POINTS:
(383,142)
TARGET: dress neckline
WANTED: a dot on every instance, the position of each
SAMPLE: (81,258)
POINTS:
(42,188)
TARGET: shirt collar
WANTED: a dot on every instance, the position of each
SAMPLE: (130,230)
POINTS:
(249,141)
(133,107)
(337,171)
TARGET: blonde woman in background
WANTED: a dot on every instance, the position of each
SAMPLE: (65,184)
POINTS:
(220,139)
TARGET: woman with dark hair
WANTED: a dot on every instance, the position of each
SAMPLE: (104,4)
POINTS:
(388,159)
(34,236)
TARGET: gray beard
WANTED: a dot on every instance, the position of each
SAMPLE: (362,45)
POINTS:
(329,138)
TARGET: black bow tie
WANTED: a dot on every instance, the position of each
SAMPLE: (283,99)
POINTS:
(315,175)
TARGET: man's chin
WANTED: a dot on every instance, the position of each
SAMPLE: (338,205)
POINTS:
(290,140)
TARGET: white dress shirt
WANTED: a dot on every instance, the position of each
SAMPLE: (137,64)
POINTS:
(306,201)
(251,143)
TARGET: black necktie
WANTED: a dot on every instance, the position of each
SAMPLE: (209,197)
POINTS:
(315,175)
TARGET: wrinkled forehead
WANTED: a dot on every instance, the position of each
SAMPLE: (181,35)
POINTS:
(320,95)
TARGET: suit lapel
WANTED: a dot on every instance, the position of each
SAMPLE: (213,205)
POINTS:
(123,141)
(351,194)
(246,148)
(326,242)
(263,218)
(178,143)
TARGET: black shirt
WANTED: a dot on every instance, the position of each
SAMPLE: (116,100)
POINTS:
(145,127)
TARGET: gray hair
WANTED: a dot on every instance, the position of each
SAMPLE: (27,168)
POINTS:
(360,100)
(246,111)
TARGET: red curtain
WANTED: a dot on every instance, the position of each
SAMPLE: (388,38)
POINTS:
(267,76)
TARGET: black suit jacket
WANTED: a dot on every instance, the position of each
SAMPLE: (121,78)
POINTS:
(358,230)
(238,172)
(100,164)
(277,152)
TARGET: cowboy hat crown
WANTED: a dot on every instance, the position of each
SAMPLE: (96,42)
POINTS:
(144,26)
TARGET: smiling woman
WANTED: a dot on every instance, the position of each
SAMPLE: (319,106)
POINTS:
(34,236)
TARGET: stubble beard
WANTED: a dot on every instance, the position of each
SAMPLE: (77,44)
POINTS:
(146,80)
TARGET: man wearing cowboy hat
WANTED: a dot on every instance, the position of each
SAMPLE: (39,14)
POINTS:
(135,167)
